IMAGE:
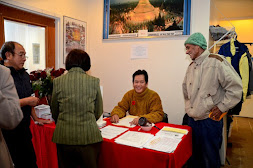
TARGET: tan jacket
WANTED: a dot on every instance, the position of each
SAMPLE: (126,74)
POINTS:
(210,81)
(10,112)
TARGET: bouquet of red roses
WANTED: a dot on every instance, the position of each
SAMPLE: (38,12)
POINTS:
(42,81)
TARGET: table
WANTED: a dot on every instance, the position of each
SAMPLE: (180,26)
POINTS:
(45,149)
(112,154)
(121,156)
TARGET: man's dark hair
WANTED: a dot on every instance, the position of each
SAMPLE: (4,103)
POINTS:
(78,58)
(8,46)
(141,72)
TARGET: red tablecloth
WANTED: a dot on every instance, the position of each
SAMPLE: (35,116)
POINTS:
(112,154)
(45,149)
(121,156)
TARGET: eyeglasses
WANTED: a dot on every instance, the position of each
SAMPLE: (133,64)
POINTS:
(22,55)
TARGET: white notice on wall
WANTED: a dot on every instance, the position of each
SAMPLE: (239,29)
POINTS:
(139,51)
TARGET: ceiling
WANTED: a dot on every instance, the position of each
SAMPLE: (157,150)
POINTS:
(235,9)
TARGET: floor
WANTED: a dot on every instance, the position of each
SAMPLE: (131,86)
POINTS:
(240,154)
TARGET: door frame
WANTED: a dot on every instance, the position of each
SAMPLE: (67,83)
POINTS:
(58,51)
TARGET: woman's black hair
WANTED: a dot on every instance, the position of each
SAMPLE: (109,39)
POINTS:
(78,58)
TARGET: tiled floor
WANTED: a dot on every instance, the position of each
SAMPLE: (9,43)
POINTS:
(240,155)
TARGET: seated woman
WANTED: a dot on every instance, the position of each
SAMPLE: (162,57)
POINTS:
(76,105)
(140,101)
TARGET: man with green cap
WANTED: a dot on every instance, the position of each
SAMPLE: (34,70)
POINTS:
(211,87)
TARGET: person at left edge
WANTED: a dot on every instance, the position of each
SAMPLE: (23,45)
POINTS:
(19,140)
(10,113)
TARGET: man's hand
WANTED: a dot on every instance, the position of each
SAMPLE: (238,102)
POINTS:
(42,122)
(29,101)
(135,121)
(216,113)
(115,118)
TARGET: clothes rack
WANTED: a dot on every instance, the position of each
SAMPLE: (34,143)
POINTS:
(231,31)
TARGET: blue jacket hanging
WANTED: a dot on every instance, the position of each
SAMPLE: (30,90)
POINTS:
(237,54)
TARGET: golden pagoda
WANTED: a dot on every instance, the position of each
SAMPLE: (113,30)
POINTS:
(143,12)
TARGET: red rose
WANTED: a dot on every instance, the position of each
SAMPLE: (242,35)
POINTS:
(36,75)
(52,72)
(61,70)
(43,75)
(32,78)
(33,72)
(133,102)
(57,73)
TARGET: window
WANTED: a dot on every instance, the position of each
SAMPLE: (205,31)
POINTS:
(30,30)
(31,37)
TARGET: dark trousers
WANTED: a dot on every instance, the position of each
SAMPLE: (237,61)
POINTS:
(81,156)
(22,153)
(206,143)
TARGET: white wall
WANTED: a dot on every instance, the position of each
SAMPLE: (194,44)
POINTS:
(166,63)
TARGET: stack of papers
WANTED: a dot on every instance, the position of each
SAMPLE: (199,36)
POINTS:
(110,132)
(126,121)
(133,138)
(163,144)
(166,140)
(172,132)
(178,130)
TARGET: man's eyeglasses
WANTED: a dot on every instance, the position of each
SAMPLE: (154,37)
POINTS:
(22,55)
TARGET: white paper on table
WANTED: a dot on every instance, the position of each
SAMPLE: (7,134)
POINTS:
(163,144)
(133,138)
(100,119)
(170,134)
(100,122)
(173,129)
(110,132)
(126,121)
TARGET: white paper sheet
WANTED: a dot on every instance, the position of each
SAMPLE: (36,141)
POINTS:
(133,138)
(126,121)
(163,144)
(111,132)
(170,134)
(139,51)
